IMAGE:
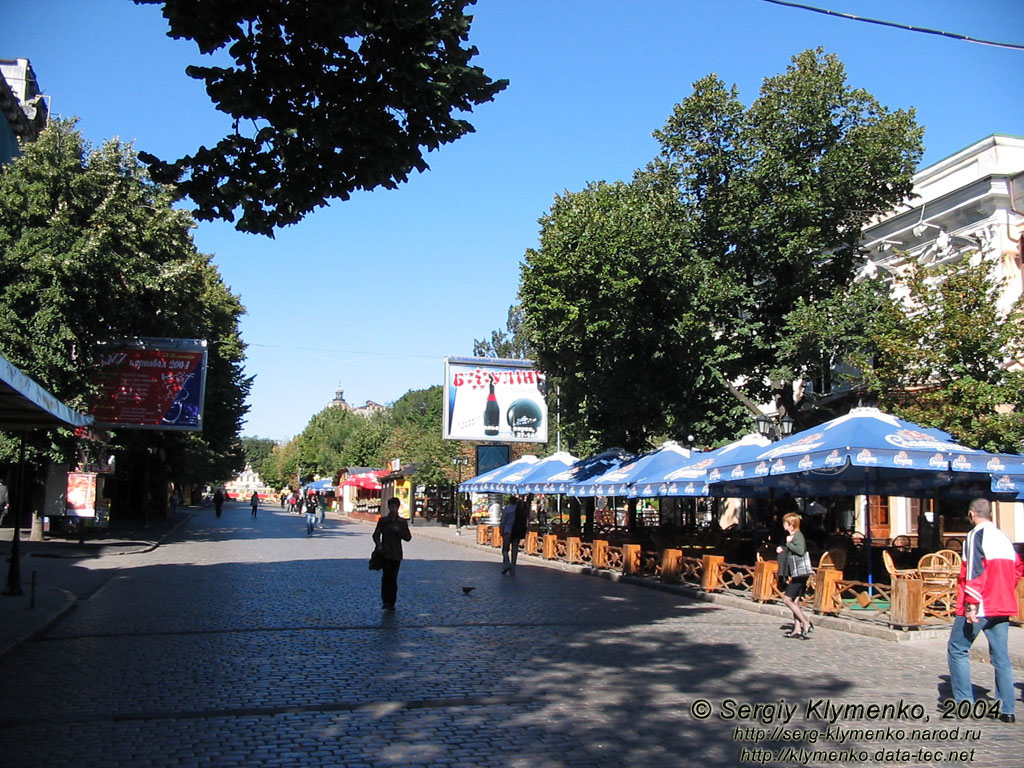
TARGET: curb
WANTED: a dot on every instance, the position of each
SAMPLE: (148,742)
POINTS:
(68,603)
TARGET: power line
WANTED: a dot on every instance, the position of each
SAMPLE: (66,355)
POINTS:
(908,27)
(294,348)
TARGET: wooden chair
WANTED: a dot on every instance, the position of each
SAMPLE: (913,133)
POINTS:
(834,559)
(901,543)
(897,573)
(939,569)
(954,544)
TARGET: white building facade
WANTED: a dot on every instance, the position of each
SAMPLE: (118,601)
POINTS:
(968,205)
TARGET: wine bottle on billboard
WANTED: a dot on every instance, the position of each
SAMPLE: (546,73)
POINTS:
(491,413)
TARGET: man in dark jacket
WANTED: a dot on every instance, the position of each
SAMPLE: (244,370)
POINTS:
(388,536)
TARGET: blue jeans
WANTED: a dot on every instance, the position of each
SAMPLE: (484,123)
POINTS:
(963,635)
(310,523)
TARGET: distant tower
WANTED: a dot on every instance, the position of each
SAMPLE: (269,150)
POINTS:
(339,400)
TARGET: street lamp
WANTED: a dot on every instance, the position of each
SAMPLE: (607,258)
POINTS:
(773,427)
(459,462)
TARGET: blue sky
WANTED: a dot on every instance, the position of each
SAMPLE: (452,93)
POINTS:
(371,294)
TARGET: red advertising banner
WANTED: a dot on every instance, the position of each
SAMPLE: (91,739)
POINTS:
(152,384)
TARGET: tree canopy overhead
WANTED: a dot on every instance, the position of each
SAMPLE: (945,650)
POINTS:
(92,250)
(650,300)
(328,97)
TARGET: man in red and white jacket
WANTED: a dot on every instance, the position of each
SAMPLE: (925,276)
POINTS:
(986,597)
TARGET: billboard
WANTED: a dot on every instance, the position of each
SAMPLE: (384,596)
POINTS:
(494,400)
(151,383)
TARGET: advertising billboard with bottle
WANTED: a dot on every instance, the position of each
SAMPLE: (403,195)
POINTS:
(489,399)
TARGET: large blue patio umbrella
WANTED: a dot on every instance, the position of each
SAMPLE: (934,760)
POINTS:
(479,483)
(531,478)
(1008,475)
(584,469)
(691,477)
(864,451)
(618,480)
(319,486)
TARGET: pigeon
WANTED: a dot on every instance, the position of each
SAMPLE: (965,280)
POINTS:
(467,590)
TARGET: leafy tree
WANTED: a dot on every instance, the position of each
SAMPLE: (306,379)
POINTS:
(510,343)
(258,454)
(365,447)
(322,442)
(776,196)
(659,305)
(415,436)
(282,465)
(620,316)
(328,98)
(934,351)
(91,250)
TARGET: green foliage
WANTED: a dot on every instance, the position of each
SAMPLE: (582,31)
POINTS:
(650,302)
(934,352)
(510,343)
(415,436)
(328,97)
(92,250)
(776,195)
(620,316)
(322,443)
(258,453)
(366,447)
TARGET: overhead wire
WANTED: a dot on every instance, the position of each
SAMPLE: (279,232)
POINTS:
(896,25)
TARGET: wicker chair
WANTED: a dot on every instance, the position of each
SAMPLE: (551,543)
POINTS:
(897,573)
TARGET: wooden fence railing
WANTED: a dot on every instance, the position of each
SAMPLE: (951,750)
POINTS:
(908,603)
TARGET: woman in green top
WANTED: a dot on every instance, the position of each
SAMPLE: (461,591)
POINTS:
(799,571)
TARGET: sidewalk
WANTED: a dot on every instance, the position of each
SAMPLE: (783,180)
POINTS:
(58,584)
(936,635)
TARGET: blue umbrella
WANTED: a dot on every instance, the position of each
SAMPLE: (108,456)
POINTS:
(531,478)
(478,484)
(864,449)
(319,486)
(618,480)
(584,469)
(691,478)
(1007,475)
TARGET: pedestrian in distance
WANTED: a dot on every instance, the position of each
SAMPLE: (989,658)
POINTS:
(388,536)
(513,530)
(218,501)
(798,568)
(310,507)
(986,598)
(254,502)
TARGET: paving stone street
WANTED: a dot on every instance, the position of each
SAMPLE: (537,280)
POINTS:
(241,642)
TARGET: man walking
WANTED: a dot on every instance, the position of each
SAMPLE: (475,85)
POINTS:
(254,502)
(986,597)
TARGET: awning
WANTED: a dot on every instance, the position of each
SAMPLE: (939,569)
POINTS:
(365,480)
(26,405)
(318,486)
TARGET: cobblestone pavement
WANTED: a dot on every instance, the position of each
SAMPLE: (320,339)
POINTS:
(242,642)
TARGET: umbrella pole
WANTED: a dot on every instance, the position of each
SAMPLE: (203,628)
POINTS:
(867,524)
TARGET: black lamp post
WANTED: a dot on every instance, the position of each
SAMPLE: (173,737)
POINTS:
(459,462)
